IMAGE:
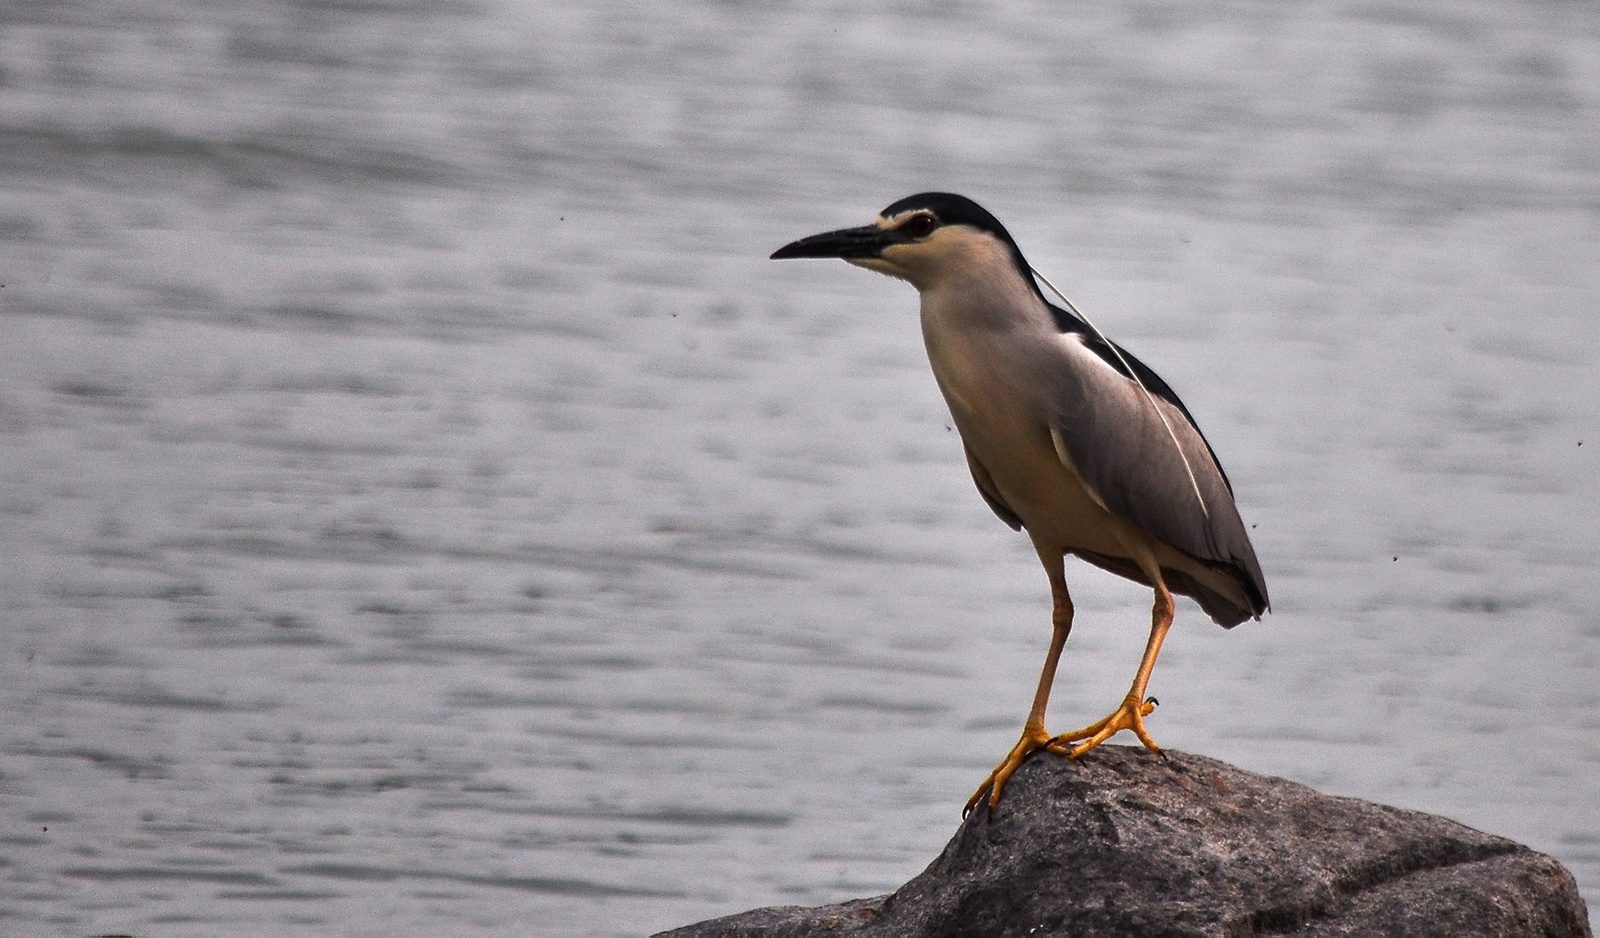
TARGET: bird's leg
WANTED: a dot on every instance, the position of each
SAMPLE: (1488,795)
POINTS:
(1130,715)
(1034,735)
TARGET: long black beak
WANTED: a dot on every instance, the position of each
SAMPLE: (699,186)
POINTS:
(866,241)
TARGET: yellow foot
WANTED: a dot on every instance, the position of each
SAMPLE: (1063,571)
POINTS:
(1129,716)
(1033,737)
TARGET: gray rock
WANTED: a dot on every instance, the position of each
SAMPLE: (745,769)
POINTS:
(1124,842)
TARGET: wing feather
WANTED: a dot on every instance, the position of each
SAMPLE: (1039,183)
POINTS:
(1106,431)
(990,492)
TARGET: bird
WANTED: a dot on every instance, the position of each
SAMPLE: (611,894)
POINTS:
(1068,437)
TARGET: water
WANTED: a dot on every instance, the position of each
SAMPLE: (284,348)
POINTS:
(424,510)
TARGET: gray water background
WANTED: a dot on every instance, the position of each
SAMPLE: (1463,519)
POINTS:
(424,509)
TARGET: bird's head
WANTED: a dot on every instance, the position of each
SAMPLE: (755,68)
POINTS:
(923,239)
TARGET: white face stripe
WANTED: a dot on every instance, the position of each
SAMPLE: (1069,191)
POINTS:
(949,250)
(888,222)
(957,244)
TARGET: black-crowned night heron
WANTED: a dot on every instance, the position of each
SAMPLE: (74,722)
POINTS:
(1067,436)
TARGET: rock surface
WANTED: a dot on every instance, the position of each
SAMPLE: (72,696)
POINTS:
(1125,843)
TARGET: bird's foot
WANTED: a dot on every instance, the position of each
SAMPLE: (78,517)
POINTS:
(1129,716)
(1034,737)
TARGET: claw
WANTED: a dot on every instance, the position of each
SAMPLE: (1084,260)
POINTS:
(973,801)
(1033,737)
(1129,716)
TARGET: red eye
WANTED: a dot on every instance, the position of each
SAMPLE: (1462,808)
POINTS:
(920,226)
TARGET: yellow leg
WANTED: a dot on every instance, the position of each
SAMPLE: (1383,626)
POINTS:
(1034,735)
(1135,707)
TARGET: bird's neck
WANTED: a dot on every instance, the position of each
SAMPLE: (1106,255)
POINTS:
(968,300)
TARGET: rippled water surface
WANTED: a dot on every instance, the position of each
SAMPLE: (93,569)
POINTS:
(424,510)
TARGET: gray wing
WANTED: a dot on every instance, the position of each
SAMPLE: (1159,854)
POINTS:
(991,494)
(1168,484)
